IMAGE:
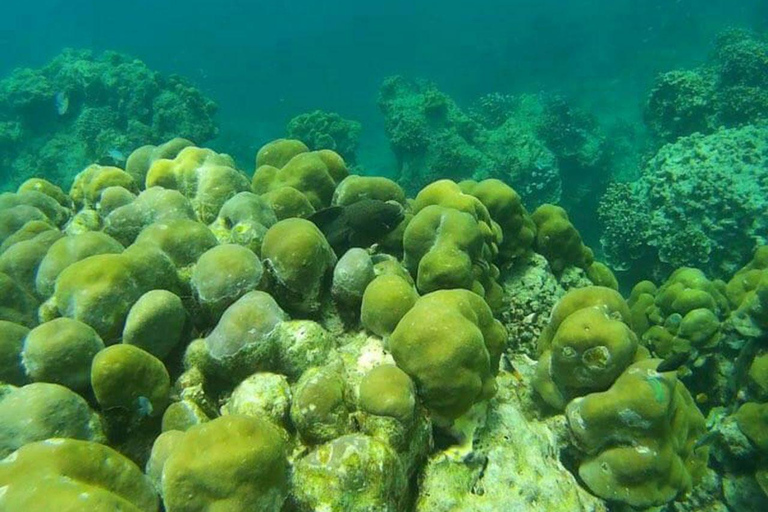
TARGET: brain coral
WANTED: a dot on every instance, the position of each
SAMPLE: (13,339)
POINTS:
(699,202)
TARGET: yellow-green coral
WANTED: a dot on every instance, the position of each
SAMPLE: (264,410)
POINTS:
(61,351)
(558,240)
(589,350)
(74,475)
(748,294)
(90,183)
(685,315)
(450,345)
(353,188)
(127,377)
(314,174)
(244,220)
(444,249)
(233,463)
(639,438)
(299,261)
(505,208)
(386,299)
(142,158)
(207,178)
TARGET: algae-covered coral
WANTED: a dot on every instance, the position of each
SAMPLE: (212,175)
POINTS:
(730,90)
(177,307)
(84,107)
(176,334)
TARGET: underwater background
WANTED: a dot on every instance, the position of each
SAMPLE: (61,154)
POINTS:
(265,62)
(384,257)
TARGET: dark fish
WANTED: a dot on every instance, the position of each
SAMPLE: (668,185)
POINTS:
(738,377)
(675,361)
(359,224)
(706,439)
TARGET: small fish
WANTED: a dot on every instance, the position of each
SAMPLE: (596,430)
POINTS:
(706,439)
(61,100)
(144,406)
(116,155)
(740,372)
(676,360)
(359,224)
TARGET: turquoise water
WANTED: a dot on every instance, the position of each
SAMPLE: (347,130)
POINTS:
(384,256)
(265,62)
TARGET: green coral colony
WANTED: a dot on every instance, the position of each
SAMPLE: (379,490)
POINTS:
(177,334)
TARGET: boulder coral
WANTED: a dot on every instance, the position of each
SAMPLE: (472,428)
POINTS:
(450,345)
(314,174)
(585,347)
(74,474)
(238,343)
(639,438)
(235,463)
(208,179)
(299,262)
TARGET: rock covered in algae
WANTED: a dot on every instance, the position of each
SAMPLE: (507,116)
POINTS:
(354,472)
(515,465)
(75,475)
(234,463)
(38,411)
(262,395)
(320,408)
(673,216)
(242,341)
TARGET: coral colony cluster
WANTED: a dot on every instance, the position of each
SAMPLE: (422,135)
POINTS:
(178,333)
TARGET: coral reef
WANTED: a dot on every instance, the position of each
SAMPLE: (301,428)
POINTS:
(244,344)
(548,150)
(699,202)
(326,130)
(728,91)
(83,107)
